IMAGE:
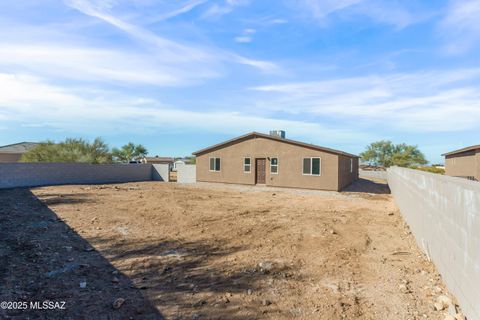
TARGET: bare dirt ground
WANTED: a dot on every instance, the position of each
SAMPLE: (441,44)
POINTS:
(202,252)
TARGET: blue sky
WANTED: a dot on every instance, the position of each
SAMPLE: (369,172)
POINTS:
(178,76)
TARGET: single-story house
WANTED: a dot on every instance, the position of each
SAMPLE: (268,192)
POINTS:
(464,163)
(14,152)
(273,160)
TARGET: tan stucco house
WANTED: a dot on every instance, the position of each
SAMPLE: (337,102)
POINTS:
(14,152)
(464,163)
(272,160)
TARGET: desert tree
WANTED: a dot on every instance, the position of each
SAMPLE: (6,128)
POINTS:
(129,152)
(70,150)
(385,153)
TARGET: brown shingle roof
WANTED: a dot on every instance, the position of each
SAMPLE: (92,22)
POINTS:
(20,147)
(475,147)
(266,136)
(164,159)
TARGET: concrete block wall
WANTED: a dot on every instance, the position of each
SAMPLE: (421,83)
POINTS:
(161,172)
(373,174)
(444,216)
(37,174)
(186,173)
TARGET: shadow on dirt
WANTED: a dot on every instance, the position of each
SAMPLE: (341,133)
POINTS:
(368,186)
(42,258)
(54,199)
(193,280)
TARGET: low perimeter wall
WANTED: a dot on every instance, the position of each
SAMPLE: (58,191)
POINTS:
(14,175)
(161,172)
(186,173)
(375,174)
(444,216)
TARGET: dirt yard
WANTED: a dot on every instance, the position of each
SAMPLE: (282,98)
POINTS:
(156,250)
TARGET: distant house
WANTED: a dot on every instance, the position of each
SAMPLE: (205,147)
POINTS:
(158,160)
(273,160)
(14,152)
(464,163)
(177,163)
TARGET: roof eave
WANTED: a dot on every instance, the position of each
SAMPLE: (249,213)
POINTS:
(466,149)
(223,143)
(302,144)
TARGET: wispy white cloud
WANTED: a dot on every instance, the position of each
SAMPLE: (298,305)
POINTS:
(259,64)
(23,90)
(320,9)
(246,36)
(217,10)
(265,21)
(393,13)
(32,101)
(432,101)
(185,8)
(278,21)
(461,25)
(164,46)
(243,39)
(83,63)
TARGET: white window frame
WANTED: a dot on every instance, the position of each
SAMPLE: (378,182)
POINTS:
(351,165)
(311,167)
(249,165)
(214,164)
(277,165)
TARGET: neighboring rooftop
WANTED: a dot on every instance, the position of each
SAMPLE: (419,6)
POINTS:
(475,147)
(21,147)
(276,138)
(157,158)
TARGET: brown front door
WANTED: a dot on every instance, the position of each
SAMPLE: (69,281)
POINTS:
(260,170)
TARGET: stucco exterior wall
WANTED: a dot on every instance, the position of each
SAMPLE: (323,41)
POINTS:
(444,216)
(347,170)
(290,165)
(466,164)
(10,157)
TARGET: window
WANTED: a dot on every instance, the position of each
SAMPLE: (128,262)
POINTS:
(247,165)
(214,164)
(311,166)
(351,165)
(307,165)
(274,165)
